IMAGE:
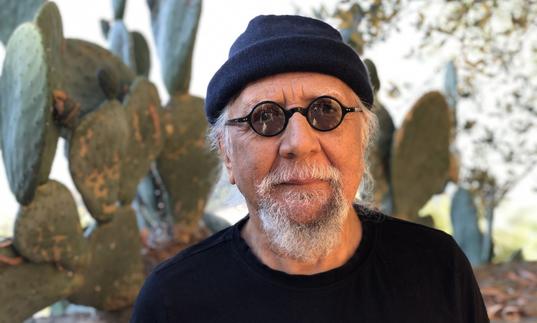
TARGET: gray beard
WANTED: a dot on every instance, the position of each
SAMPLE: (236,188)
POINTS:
(306,241)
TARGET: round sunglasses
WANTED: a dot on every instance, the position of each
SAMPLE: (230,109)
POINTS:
(269,119)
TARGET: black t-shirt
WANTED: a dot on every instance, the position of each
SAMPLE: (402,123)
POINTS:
(401,272)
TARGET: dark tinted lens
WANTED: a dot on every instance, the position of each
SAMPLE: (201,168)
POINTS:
(268,119)
(325,114)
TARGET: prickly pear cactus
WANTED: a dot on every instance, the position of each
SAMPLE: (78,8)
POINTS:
(81,62)
(373,75)
(143,113)
(96,151)
(119,8)
(28,288)
(121,43)
(14,13)
(48,229)
(174,25)
(451,84)
(29,135)
(187,167)
(420,162)
(465,228)
(115,275)
(141,54)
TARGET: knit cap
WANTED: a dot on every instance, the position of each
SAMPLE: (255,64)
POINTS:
(280,44)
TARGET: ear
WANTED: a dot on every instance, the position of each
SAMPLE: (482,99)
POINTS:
(227,162)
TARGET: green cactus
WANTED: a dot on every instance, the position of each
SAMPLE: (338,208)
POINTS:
(115,274)
(174,25)
(187,167)
(141,54)
(48,229)
(116,130)
(464,218)
(143,113)
(108,83)
(29,135)
(14,13)
(81,62)
(119,8)
(420,155)
(28,288)
(96,151)
(373,75)
(121,43)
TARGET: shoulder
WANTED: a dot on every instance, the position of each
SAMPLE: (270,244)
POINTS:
(411,241)
(176,277)
(200,254)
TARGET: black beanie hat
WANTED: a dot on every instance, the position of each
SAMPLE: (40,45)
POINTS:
(279,44)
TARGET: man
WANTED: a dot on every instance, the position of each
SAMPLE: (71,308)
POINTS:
(290,116)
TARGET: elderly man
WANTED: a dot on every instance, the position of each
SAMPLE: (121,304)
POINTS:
(290,115)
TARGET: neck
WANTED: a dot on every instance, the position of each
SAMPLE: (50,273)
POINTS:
(350,237)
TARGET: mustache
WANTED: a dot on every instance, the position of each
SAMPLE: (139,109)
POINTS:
(297,172)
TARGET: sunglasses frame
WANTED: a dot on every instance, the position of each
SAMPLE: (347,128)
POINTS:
(289,113)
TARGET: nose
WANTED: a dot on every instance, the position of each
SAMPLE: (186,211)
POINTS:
(299,140)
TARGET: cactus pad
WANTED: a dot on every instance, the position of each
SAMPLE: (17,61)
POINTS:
(81,64)
(28,288)
(174,25)
(116,272)
(420,156)
(119,8)
(96,150)
(29,136)
(49,21)
(373,75)
(120,43)
(187,167)
(451,84)
(48,229)
(143,113)
(465,228)
(141,54)
(14,13)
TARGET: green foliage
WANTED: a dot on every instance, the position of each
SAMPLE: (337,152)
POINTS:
(119,8)
(143,113)
(29,287)
(96,150)
(420,155)
(116,130)
(493,47)
(121,43)
(175,24)
(141,54)
(14,13)
(48,229)
(114,277)
(29,135)
(187,167)
(81,62)
(464,218)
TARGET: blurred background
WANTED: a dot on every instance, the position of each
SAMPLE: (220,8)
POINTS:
(470,64)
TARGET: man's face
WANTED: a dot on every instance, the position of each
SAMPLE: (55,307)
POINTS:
(252,157)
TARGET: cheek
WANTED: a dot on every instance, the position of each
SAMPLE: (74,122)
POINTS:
(251,162)
(347,155)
